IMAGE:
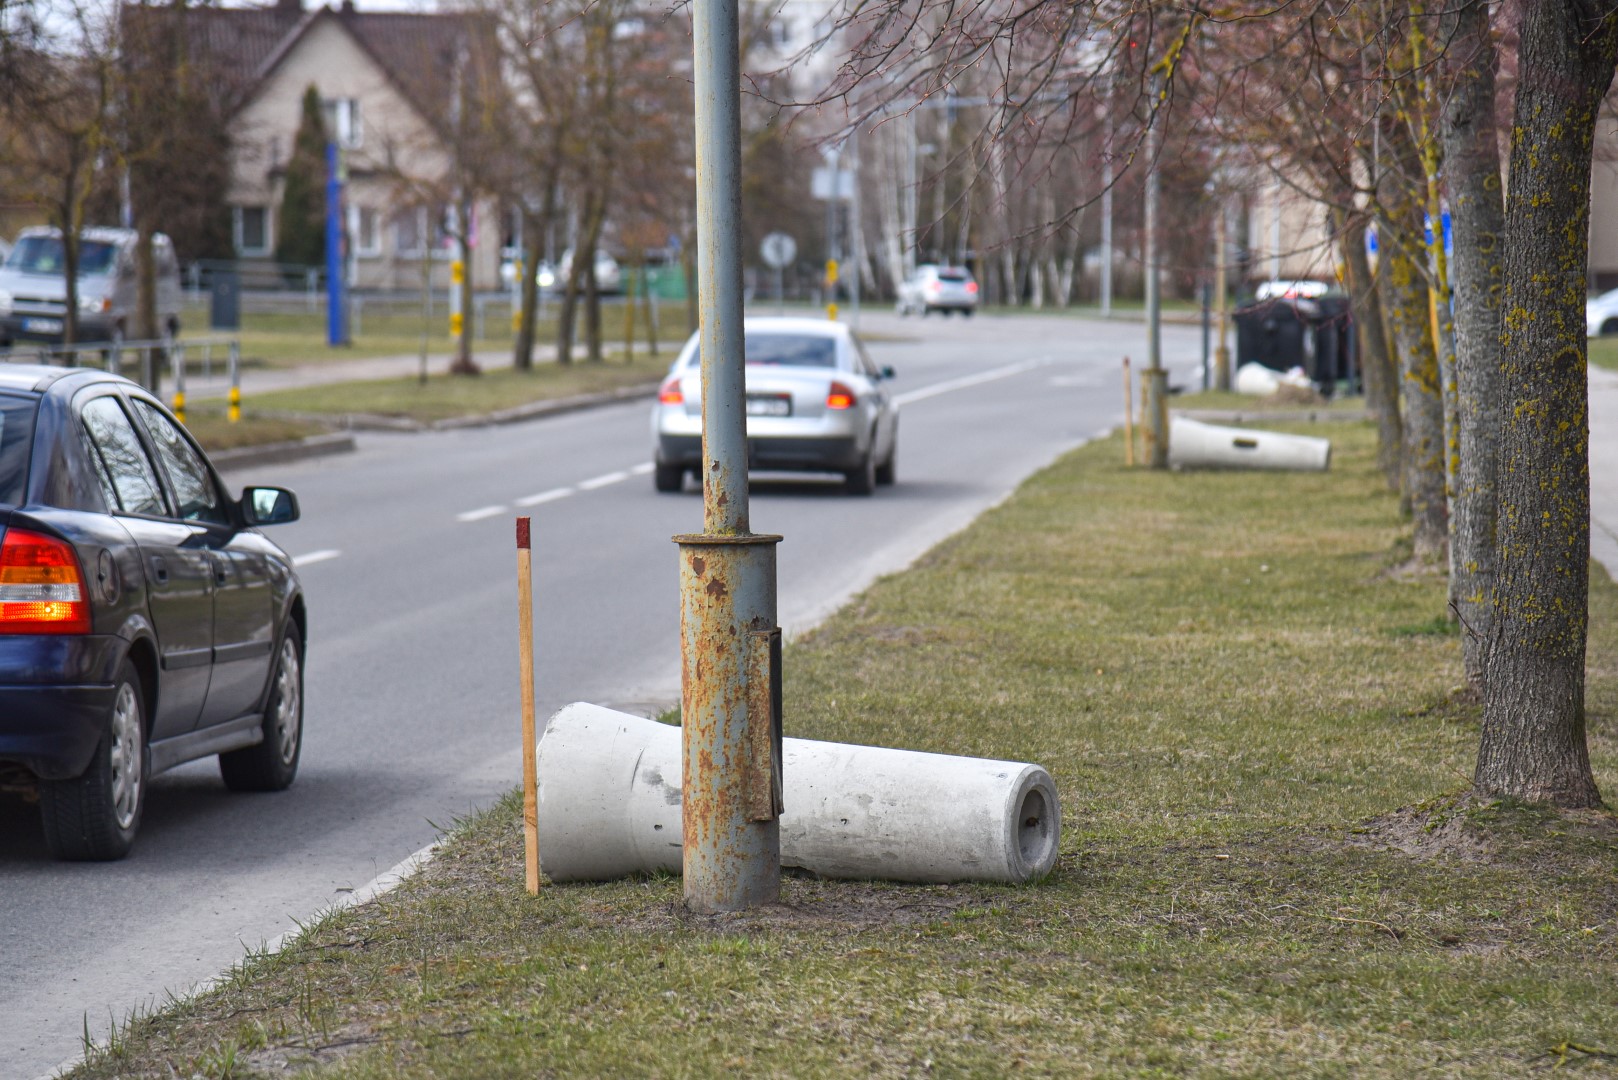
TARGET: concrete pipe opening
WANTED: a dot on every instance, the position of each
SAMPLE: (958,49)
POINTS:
(1035,838)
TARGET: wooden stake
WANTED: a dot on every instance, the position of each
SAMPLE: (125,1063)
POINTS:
(1129,418)
(525,646)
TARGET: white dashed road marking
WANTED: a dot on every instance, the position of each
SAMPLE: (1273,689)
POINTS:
(603,481)
(315,556)
(970,380)
(545,496)
(480,513)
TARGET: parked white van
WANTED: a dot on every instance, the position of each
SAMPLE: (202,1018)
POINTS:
(33,286)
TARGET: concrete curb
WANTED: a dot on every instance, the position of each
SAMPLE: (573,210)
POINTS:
(276,453)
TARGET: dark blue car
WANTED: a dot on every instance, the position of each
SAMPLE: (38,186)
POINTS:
(144,620)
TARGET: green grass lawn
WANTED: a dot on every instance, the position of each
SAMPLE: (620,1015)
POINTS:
(444,396)
(1604,352)
(287,338)
(211,426)
(1266,868)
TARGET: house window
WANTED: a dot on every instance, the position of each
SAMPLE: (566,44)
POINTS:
(344,116)
(365,227)
(408,228)
(252,228)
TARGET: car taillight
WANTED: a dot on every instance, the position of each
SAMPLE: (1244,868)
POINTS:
(669,392)
(839,397)
(41,586)
(971,286)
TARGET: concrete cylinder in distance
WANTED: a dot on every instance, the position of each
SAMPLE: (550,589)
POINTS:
(1195,445)
(610,805)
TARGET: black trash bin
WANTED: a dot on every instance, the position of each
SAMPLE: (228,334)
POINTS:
(1314,334)
(225,308)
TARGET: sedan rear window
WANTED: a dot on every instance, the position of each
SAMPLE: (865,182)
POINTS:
(952,275)
(784,350)
(16,438)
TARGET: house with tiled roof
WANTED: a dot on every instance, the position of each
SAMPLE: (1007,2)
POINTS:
(389,82)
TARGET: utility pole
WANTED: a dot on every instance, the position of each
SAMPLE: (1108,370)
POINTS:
(1156,389)
(1221,288)
(730,645)
(1106,213)
(336,311)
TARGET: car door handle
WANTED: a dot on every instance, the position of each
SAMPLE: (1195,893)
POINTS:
(160,570)
(221,572)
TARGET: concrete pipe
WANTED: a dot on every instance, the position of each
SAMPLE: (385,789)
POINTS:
(1195,445)
(609,806)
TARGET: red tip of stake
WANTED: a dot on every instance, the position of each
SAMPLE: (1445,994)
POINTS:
(522,534)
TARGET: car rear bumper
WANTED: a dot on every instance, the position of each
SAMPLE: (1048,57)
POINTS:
(790,453)
(55,696)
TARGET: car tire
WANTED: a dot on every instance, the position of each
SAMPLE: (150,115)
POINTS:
(888,470)
(1609,326)
(272,764)
(861,479)
(94,817)
(966,313)
(668,478)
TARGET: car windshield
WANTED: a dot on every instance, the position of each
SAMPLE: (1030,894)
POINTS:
(16,436)
(784,350)
(44,255)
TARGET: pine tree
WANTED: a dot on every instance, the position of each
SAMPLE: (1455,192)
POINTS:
(300,237)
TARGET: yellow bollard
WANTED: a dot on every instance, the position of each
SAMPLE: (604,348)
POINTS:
(831,289)
(235,413)
(179,406)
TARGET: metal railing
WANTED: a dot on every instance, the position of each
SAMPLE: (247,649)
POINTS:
(169,352)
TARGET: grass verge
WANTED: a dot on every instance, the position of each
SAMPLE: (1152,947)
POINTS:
(1268,867)
(212,428)
(444,396)
(1604,353)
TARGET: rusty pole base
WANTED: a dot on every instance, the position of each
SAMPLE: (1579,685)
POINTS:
(730,720)
(1155,401)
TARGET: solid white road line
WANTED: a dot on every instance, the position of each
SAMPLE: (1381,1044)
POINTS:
(603,481)
(642,469)
(965,381)
(480,513)
(545,496)
(315,556)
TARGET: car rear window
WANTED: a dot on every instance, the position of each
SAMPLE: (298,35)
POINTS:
(16,438)
(784,350)
(956,276)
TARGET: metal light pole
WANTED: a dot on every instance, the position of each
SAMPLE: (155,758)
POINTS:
(1106,215)
(1156,389)
(1221,289)
(730,645)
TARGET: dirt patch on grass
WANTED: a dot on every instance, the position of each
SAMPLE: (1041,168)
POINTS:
(1425,832)
(1470,828)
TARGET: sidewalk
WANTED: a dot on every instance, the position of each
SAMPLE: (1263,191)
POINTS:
(1604,468)
(325,372)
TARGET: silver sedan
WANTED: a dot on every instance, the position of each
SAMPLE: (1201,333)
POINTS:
(815,403)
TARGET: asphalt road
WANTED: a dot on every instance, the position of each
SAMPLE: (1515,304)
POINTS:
(406,551)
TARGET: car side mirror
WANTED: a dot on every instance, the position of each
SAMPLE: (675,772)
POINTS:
(887,371)
(269,506)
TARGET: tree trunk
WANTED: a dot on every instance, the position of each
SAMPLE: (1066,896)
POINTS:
(1478,220)
(1409,319)
(463,363)
(1533,744)
(1376,364)
(522,349)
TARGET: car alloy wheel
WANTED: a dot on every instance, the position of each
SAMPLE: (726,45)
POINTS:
(288,718)
(126,757)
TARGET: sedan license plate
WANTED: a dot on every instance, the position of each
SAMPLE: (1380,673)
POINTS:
(42,326)
(759,405)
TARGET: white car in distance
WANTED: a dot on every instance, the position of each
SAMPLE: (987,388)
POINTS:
(938,288)
(815,403)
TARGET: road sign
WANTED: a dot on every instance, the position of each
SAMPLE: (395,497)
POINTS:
(778,250)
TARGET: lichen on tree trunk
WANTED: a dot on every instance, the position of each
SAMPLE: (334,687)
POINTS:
(1410,322)
(1533,744)
(1478,220)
